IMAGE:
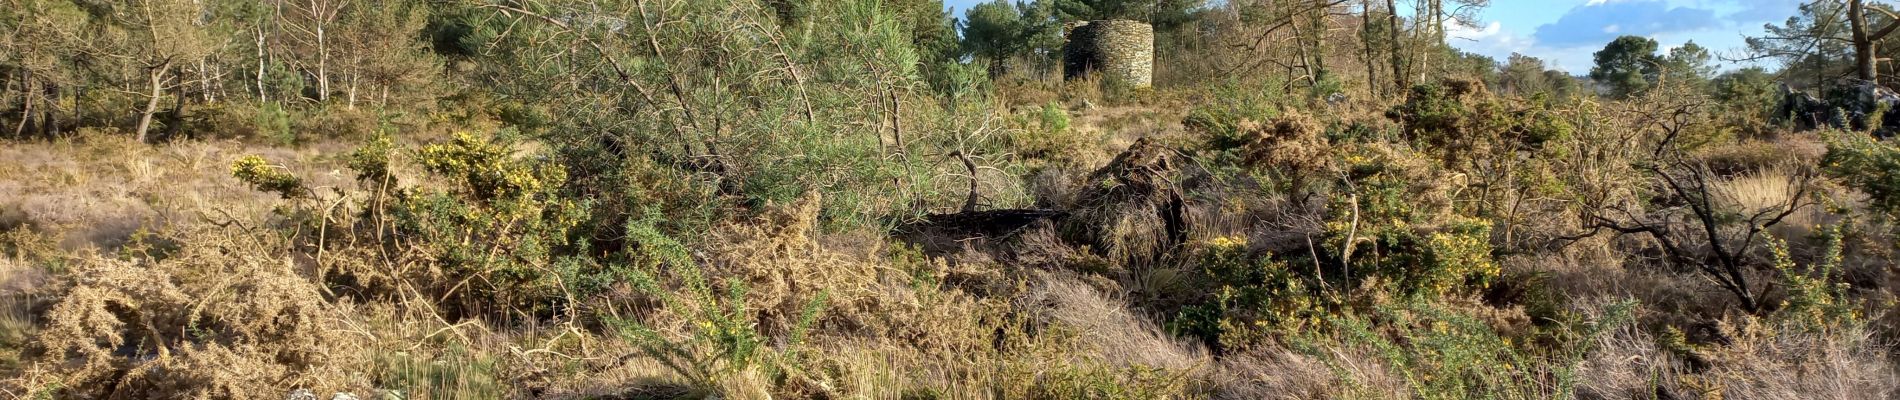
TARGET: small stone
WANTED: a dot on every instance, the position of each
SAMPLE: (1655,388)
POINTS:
(343,396)
(302,394)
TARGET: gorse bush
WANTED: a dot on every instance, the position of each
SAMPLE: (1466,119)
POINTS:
(1395,220)
(1465,126)
(500,228)
(493,239)
(1253,298)
(261,175)
(488,172)
(1443,117)
(1866,165)
(1816,300)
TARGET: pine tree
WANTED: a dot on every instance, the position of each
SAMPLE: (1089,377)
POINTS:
(1628,65)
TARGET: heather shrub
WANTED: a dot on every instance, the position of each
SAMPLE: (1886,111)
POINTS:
(1044,138)
(329,122)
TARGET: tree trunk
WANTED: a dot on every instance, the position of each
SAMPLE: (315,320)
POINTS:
(79,109)
(157,76)
(1321,11)
(204,82)
(1863,46)
(1306,59)
(1427,28)
(1398,58)
(261,95)
(323,72)
(356,75)
(49,116)
(26,102)
(1365,38)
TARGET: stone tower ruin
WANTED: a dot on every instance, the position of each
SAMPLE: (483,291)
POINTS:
(1122,51)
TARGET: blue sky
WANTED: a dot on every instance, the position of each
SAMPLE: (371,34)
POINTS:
(1565,32)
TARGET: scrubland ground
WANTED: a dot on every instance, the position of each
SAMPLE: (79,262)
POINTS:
(849,199)
(158,271)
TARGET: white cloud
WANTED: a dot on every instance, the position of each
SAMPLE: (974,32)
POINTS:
(1460,30)
(1594,25)
(1567,43)
(1493,39)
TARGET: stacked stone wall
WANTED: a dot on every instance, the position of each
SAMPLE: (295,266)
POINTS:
(1122,51)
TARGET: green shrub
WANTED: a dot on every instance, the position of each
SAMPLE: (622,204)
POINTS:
(1222,118)
(1444,353)
(1394,221)
(493,234)
(1253,298)
(262,176)
(724,341)
(1867,165)
(1055,119)
(530,119)
(273,124)
(1816,299)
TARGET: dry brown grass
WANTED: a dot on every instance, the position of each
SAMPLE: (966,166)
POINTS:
(1280,373)
(1113,333)
(1779,361)
(1770,189)
(1761,360)
(96,191)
